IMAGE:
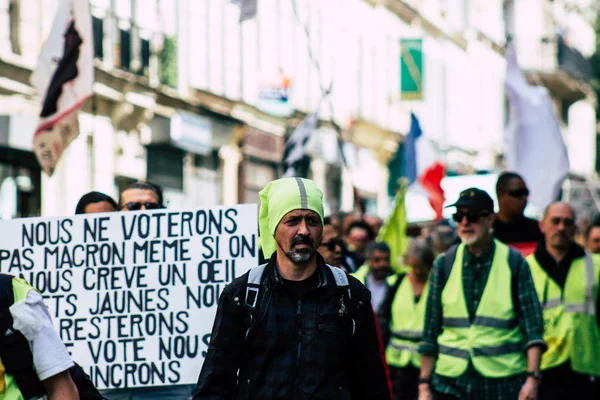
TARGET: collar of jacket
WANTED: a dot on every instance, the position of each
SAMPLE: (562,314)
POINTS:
(546,260)
(324,275)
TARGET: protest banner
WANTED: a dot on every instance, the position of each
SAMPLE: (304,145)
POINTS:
(134,295)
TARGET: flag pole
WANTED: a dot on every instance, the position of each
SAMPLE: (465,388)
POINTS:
(325,93)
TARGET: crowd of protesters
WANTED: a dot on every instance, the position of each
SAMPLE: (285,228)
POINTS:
(519,346)
(487,305)
(508,309)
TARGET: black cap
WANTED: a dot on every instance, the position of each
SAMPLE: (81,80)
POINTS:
(475,198)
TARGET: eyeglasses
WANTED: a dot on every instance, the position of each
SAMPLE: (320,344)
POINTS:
(135,206)
(332,244)
(568,222)
(471,217)
(519,193)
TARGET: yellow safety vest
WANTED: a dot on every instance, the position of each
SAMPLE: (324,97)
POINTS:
(557,323)
(406,326)
(579,298)
(8,386)
(493,340)
(361,274)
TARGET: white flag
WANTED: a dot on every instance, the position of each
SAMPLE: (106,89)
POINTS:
(535,145)
(63,78)
(293,150)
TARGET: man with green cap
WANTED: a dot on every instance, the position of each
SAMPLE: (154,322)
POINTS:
(293,328)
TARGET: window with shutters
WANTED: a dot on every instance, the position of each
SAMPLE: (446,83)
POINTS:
(165,166)
(125,49)
(98,32)
(145,56)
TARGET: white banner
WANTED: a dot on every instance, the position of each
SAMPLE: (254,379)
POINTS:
(134,294)
(64,79)
(535,147)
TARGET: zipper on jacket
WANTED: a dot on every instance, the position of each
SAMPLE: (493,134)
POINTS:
(296,366)
(299,328)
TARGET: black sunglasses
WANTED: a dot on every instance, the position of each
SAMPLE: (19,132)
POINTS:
(332,244)
(134,206)
(518,193)
(471,217)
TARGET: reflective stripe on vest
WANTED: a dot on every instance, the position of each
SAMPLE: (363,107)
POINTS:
(557,323)
(587,306)
(481,321)
(580,296)
(488,351)
(492,342)
(406,326)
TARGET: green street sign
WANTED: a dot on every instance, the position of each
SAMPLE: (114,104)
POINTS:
(411,69)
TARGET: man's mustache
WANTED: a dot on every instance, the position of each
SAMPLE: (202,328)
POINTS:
(302,240)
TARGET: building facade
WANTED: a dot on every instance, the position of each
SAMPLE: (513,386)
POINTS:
(192,99)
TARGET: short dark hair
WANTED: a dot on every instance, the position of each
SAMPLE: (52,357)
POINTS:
(327,221)
(594,224)
(503,179)
(377,246)
(91,198)
(361,225)
(144,185)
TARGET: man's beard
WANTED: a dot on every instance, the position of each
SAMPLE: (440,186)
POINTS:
(303,255)
(468,240)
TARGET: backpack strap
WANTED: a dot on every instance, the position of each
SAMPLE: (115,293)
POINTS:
(341,279)
(342,282)
(253,286)
(253,291)
(514,262)
(449,256)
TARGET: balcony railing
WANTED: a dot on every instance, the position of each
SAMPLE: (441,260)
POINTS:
(552,55)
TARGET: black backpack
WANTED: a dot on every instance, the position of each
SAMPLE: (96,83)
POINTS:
(254,295)
(17,357)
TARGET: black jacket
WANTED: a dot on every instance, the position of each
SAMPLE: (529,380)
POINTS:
(299,348)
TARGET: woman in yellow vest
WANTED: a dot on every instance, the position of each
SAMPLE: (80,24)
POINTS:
(401,319)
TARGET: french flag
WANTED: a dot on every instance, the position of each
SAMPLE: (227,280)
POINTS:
(422,168)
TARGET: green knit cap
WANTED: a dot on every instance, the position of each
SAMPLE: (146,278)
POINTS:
(280,197)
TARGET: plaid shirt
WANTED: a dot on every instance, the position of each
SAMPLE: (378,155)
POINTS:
(475,275)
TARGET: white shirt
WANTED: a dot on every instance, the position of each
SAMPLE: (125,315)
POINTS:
(378,291)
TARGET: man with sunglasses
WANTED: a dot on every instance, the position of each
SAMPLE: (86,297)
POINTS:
(332,245)
(141,196)
(511,225)
(566,280)
(483,331)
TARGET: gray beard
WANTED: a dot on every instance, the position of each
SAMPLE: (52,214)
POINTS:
(300,256)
